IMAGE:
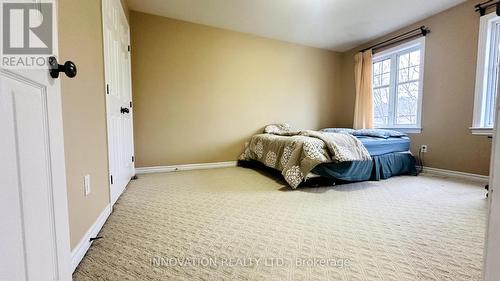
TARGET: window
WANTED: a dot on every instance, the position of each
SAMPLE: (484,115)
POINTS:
(486,75)
(397,87)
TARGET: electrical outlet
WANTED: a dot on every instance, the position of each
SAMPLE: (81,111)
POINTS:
(423,148)
(86,185)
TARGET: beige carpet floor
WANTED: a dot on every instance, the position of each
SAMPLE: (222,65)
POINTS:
(242,224)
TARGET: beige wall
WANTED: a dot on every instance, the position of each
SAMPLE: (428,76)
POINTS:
(449,78)
(201,92)
(83,101)
(125,8)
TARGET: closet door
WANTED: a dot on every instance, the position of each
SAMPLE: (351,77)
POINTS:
(118,97)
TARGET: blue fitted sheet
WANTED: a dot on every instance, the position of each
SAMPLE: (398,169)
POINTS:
(380,146)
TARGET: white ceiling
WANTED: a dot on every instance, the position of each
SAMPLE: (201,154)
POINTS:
(329,24)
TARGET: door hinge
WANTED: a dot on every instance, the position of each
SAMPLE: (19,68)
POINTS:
(111,179)
(130,104)
(107,89)
(129,48)
(133,159)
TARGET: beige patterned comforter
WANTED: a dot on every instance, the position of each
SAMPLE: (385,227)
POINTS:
(296,154)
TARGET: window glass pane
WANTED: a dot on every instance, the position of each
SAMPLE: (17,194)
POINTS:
(382,73)
(377,68)
(381,107)
(386,79)
(386,66)
(490,102)
(409,66)
(404,61)
(407,103)
(492,88)
(415,58)
(377,81)
(414,73)
(403,75)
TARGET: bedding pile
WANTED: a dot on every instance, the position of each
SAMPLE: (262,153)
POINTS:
(296,153)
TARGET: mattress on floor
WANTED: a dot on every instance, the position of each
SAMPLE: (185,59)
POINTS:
(380,146)
(379,168)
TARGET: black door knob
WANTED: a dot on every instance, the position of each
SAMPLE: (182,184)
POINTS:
(124,110)
(69,68)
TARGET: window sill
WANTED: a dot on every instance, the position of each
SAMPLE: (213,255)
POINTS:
(481,131)
(405,130)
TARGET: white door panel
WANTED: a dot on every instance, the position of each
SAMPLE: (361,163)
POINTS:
(118,97)
(24,119)
(34,231)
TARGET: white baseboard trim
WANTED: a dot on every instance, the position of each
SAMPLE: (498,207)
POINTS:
(79,251)
(202,166)
(187,167)
(455,174)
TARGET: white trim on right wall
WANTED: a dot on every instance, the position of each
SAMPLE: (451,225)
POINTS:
(482,70)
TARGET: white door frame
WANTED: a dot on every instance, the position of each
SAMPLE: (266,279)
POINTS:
(34,234)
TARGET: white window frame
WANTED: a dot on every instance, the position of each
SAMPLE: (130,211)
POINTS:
(484,66)
(393,54)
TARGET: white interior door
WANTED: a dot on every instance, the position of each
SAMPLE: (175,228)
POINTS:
(118,97)
(34,233)
(492,245)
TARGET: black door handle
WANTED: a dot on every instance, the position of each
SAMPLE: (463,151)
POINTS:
(124,110)
(69,68)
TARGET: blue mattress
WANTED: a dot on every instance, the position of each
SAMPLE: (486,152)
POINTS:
(381,146)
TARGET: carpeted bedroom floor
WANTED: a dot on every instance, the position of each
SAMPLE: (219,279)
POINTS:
(244,224)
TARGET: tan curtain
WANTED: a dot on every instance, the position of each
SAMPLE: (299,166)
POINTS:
(363,110)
